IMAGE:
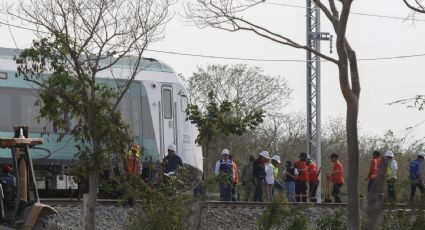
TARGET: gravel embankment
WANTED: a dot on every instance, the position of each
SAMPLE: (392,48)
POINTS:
(107,217)
(247,218)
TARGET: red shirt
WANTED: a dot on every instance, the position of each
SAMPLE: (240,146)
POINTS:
(312,172)
(337,176)
(373,169)
(235,169)
(302,170)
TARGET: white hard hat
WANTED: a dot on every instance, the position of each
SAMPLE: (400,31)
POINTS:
(225,152)
(389,153)
(172,147)
(276,158)
(421,153)
(265,154)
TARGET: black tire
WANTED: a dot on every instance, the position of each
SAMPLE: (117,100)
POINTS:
(45,223)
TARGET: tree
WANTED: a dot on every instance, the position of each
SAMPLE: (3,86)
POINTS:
(227,15)
(247,87)
(417,6)
(76,40)
(218,119)
(241,93)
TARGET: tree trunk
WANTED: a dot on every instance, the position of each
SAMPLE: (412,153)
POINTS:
(375,197)
(90,218)
(353,221)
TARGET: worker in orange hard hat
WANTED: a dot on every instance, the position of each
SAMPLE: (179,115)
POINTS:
(134,164)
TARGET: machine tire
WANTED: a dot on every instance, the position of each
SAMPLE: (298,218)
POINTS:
(45,223)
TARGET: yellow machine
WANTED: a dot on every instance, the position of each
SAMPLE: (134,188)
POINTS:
(20,206)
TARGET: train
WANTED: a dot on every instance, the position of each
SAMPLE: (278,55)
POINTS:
(154,107)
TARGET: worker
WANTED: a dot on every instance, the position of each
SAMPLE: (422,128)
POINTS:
(7,177)
(224,169)
(290,174)
(302,178)
(275,163)
(375,163)
(134,165)
(246,178)
(235,178)
(391,176)
(172,161)
(258,175)
(416,175)
(313,179)
(269,181)
(336,177)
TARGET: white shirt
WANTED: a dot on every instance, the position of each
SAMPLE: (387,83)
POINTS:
(269,173)
(393,168)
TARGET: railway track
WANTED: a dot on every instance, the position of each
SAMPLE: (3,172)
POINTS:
(75,202)
(216,204)
(223,204)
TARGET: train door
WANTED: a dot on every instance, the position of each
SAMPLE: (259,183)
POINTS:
(168,119)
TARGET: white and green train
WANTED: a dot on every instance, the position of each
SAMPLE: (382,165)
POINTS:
(154,106)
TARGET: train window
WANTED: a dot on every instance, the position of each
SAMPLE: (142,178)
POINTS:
(135,115)
(184,103)
(30,111)
(6,121)
(167,103)
(124,109)
(3,75)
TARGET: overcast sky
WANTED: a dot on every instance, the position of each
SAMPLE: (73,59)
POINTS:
(382,81)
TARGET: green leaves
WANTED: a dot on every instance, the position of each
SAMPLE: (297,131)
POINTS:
(222,118)
(70,97)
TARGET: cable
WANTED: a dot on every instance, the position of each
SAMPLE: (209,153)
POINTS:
(357,13)
(243,59)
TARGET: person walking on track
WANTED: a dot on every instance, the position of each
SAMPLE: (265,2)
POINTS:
(336,177)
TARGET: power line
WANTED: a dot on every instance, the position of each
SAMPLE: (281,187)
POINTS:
(240,58)
(357,13)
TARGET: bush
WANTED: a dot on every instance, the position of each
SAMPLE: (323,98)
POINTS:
(336,221)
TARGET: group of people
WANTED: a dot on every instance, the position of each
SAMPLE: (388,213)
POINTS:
(416,174)
(169,164)
(263,174)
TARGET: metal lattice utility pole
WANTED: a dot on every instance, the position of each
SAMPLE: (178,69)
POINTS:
(314,36)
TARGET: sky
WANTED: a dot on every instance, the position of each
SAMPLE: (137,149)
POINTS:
(382,81)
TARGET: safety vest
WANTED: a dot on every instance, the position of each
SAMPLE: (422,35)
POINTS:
(312,172)
(226,167)
(374,166)
(391,174)
(133,165)
(302,170)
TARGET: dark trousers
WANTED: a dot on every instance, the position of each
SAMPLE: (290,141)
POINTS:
(225,192)
(313,191)
(391,190)
(336,192)
(234,195)
(416,184)
(258,195)
(370,184)
(301,191)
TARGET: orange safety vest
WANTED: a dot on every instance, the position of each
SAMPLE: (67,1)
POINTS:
(373,169)
(312,172)
(302,170)
(133,165)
